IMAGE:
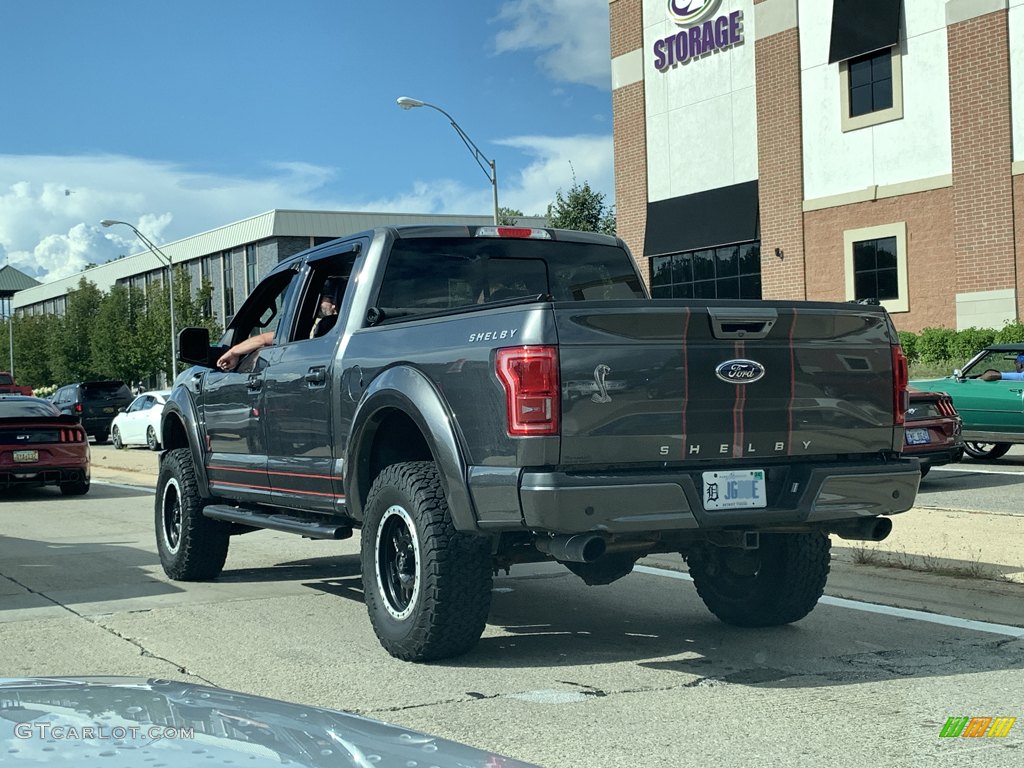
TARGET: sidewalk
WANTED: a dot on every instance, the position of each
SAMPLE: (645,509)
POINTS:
(946,541)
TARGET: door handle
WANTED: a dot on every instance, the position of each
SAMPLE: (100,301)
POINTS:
(254,384)
(317,375)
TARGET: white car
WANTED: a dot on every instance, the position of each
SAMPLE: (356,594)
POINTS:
(139,423)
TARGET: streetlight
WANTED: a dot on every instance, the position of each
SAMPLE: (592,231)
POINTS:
(489,169)
(170,284)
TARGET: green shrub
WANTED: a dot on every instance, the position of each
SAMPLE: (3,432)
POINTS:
(908,340)
(933,344)
(1011,333)
(965,344)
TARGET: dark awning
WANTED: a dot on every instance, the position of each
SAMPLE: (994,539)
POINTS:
(702,220)
(863,26)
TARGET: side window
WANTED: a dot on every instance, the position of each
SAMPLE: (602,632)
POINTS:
(147,402)
(321,305)
(137,405)
(264,310)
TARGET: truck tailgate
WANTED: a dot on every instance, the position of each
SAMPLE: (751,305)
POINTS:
(674,380)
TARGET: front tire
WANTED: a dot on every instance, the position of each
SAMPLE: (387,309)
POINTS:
(778,583)
(989,451)
(115,438)
(427,586)
(151,441)
(192,547)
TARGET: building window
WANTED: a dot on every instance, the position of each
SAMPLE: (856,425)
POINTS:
(250,268)
(870,83)
(876,265)
(206,277)
(228,278)
(871,89)
(728,272)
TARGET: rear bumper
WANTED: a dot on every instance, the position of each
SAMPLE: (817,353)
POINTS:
(57,464)
(576,502)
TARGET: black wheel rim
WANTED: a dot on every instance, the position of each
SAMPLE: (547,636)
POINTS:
(170,517)
(397,562)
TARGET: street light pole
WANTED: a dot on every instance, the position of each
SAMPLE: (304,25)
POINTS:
(170,286)
(487,166)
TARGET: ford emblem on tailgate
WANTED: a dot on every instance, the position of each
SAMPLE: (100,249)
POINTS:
(739,371)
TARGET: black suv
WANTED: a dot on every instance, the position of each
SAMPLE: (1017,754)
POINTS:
(96,403)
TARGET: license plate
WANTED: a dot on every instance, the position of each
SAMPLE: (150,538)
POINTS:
(736,489)
(25,457)
(918,437)
(108,410)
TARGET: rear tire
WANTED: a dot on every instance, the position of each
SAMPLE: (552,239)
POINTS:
(151,441)
(983,451)
(76,488)
(427,586)
(924,470)
(192,547)
(101,437)
(115,438)
(778,583)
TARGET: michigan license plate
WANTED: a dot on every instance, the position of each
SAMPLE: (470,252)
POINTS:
(26,457)
(918,436)
(736,489)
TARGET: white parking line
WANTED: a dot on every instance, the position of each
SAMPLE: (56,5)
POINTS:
(979,471)
(886,610)
(125,486)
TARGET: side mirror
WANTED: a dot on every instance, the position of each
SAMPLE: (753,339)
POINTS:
(958,374)
(194,347)
(122,409)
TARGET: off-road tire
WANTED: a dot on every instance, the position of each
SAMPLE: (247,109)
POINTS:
(778,583)
(408,531)
(192,547)
(151,441)
(115,439)
(986,451)
(75,488)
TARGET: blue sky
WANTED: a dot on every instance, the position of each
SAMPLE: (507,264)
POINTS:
(183,116)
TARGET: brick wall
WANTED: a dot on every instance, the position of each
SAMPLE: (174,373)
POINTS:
(1018,227)
(630,134)
(780,166)
(931,259)
(979,79)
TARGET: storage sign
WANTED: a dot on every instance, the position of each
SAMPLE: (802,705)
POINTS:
(702,32)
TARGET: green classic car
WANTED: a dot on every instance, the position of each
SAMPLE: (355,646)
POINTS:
(992,410)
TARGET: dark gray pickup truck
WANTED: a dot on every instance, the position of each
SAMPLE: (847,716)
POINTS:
(491,396)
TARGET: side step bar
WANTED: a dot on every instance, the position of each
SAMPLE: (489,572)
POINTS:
(309,528)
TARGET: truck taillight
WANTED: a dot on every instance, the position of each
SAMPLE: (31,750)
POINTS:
(900,379)
(530,378)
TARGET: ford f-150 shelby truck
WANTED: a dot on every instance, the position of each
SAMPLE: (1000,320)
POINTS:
(491,396)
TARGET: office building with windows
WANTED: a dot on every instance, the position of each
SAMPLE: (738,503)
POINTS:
(232,258)
(825,150)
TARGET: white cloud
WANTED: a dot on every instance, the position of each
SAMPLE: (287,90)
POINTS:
(50,207)
(572,35)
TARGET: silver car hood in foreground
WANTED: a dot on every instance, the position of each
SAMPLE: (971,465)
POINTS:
(117,721)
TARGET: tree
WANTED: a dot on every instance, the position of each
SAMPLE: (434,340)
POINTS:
(508,217)
(69,348)
(582,209)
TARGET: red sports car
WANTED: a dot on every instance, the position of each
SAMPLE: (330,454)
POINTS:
(933,430)
(41,446)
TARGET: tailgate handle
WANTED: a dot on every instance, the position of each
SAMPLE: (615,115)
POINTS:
(742,323)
